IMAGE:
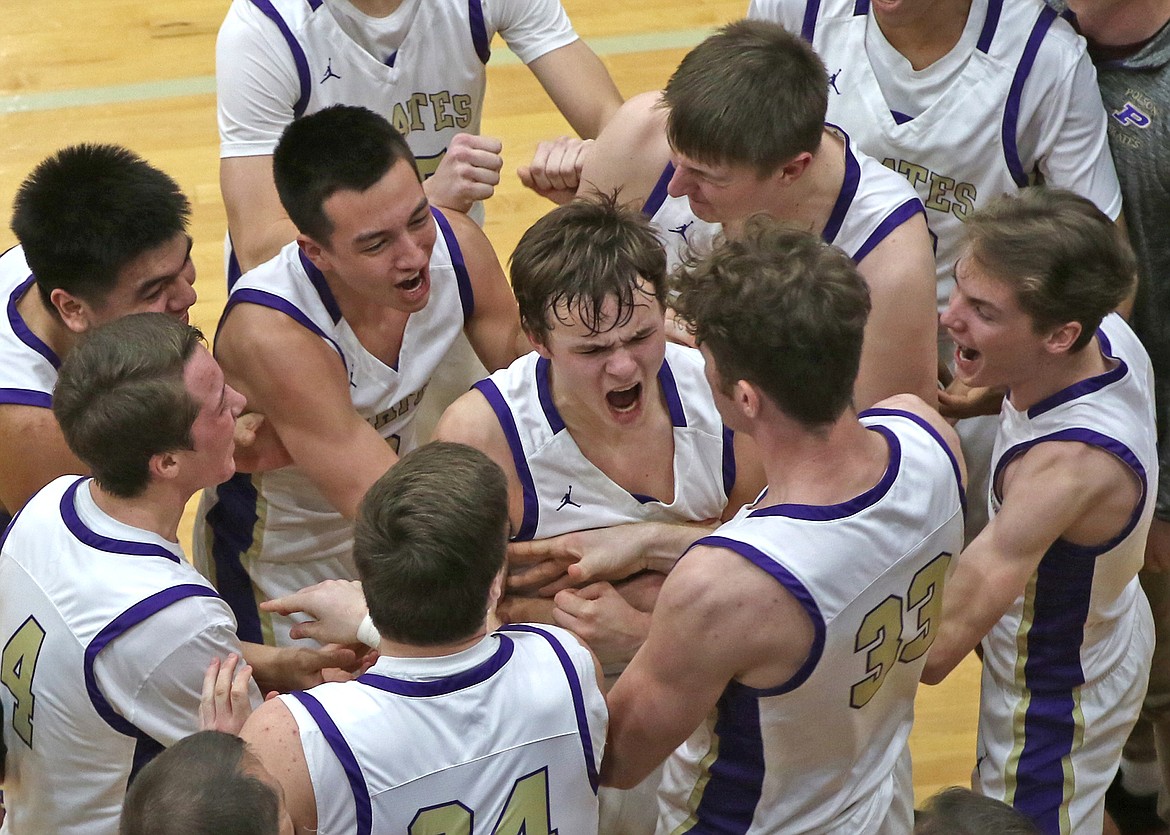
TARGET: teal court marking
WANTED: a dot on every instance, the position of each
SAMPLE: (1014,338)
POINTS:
(200,85)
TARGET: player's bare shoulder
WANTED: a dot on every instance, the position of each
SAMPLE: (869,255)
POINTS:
(631,153)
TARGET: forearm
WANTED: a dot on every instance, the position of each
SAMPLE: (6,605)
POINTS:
(662,543)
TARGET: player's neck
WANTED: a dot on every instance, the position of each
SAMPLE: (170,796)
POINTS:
(1057,374)
(154,510)
(396,649)
(925,37)
(819,468)
(1122,22)
(808,201)
(377,8)
(44,323)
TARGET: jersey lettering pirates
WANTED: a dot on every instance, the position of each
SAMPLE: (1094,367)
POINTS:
(827,751)
(28,367)
(871,204)
(565,492)
(1065,668)
(975,140)
(89,697)
(267,535)
(503,737)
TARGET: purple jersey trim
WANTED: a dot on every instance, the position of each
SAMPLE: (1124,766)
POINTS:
(232,522)
(298,54)
(363,811)
(479,33)
(860,7)
(901,118)
(735,779)
(990,24)
(1011,113)
(674,406)
(658,193)
(892,221)
(1084,387)
(729,470)
(95,540)
(234,271)
(576,691)
(462,278)
(270,300)
(1096,439)
(508,425)
(119,626)
(797,589)
(848,192)
(22,330)
(26,397)
(447,684)
(317,279)
(544,395)
(843,510)
(808,25)
(930,430)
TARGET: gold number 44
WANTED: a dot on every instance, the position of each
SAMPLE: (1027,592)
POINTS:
(18,664)
(525,813)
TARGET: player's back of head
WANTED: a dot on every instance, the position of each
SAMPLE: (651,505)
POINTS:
(959,811)
(751,94)
(201,786)
(580,256)
(87,211)
(429,543)
(121,398)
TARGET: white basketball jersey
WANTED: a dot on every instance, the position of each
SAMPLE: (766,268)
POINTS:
(827,750)
(964,149)
(276,531)
(872,203)
(1074,622)
(69,596)
(507,735)
(565,492)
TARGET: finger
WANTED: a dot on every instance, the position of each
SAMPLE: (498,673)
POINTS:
(565,581)
(223,682)
(207,696)
(340,657)
(535,550)
(239,697)
(570,602)
(536,575)
(287,605)
(310,629)
(483,170)
(479,142)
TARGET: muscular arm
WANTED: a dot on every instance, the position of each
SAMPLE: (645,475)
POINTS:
(718,618)
(272,735)
(579,85)
(630,154)
(494,327)
(1055,490)
(258,224)
(294,378)
(900,353)
(33,452)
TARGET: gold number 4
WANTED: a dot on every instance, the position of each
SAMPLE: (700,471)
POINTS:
(880,634)
(525,813)
(18,664)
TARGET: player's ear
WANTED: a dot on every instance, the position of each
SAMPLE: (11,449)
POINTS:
(163,466)
(75,312)
(747,397)
(1061,339)
(537,344)
(791,171)
(315,252)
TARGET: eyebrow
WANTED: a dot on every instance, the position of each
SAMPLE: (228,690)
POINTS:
(418,210)
(150,285)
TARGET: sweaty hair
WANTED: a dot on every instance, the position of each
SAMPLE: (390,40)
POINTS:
(121,399)
(198,787)
(87,211)
(958,811)
(340,148)
(751,94)
(579,256)
(1063,257)
(784,311)
(429,539)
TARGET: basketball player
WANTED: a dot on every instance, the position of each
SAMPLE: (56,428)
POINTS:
(393,751)
(106,630)
(740,129)
(784,650)
(1049,588)
(334,340)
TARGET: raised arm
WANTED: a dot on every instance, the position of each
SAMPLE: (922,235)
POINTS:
(630,154)
(579,85)
(294,378)
(33,452)
(900,354)
(1055,490)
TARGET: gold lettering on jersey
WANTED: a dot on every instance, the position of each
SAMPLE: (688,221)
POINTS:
(939,193)
(396,411)
(415,104)
(463,110)
(441,105)
(441,110)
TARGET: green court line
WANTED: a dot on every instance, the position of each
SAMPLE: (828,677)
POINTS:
(201,85)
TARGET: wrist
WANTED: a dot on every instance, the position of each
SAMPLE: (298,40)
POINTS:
(664,543)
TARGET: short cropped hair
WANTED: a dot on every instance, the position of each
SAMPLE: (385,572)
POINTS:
(1063,257)
(429,539)
(340,148)
(784,311)
(959,811)
(87,211)
(198,787)
(751,94)
(121,399)
(582,255)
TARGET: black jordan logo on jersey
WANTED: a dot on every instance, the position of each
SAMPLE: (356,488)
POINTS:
(567,499)
(682,230)
(833,82)
(329,73)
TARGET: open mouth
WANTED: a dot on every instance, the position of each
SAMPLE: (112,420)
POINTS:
(623,400)
(966,354)
(411,284)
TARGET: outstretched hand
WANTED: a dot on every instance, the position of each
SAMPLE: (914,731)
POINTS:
(546,566)
(335,607)
(958,401)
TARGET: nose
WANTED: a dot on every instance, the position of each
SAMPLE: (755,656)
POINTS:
(236,401)
(950,318)
(412,254)
(681,181)
(184,295)
(621,364)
